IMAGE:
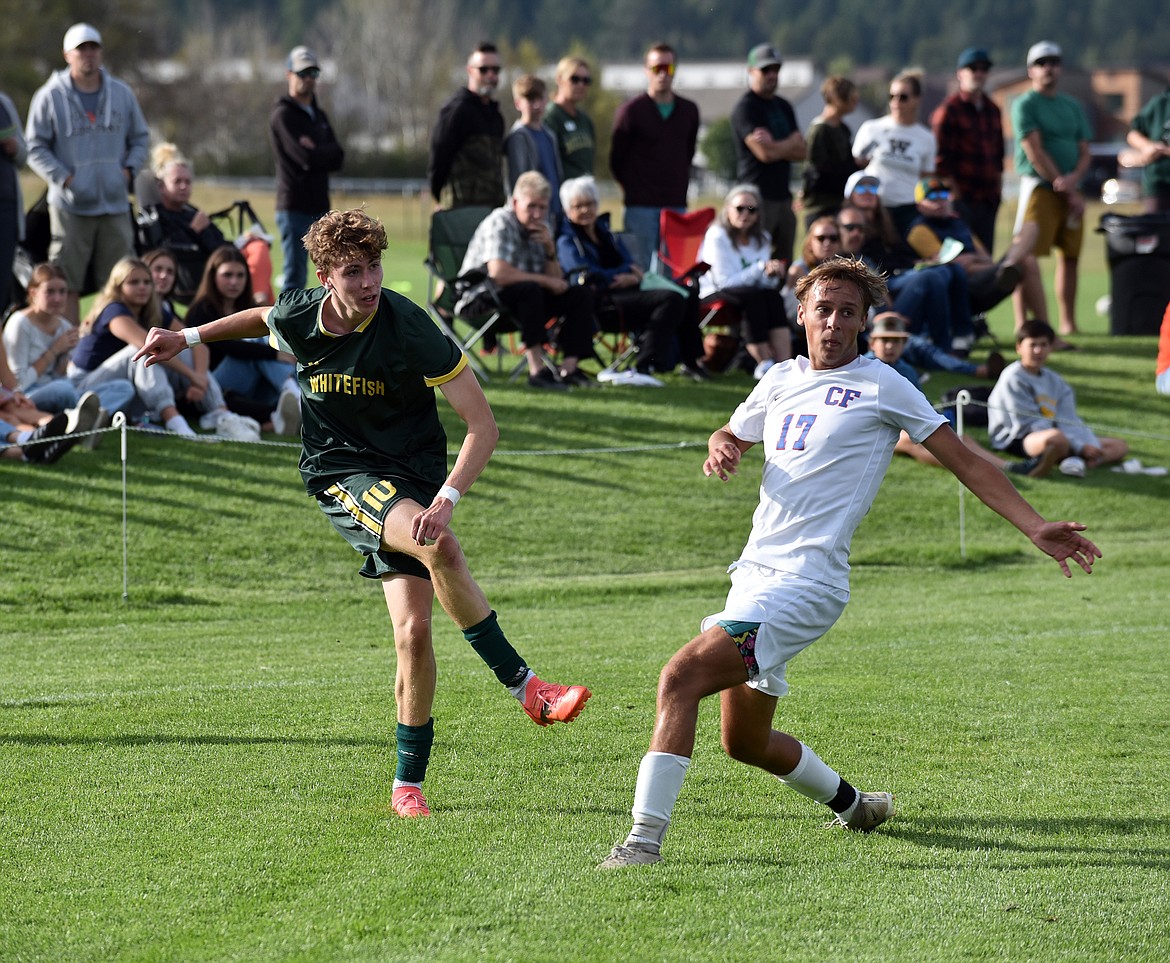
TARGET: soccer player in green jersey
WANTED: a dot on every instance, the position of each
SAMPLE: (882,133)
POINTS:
(375,459)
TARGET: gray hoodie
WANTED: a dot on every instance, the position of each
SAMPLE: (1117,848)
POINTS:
(64,141)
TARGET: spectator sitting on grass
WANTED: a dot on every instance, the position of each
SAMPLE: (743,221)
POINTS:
(1032,413)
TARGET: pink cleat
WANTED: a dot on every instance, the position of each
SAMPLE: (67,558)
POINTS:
(409,803)
(547,702)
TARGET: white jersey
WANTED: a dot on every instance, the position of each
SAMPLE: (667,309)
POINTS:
(828,437)
(899,156)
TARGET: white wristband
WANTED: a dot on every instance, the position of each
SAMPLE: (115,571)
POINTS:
(449,493)
(191,336)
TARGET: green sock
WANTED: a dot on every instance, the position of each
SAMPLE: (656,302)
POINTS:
(414,751)
(487,638)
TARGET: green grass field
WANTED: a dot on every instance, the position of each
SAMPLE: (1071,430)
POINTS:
(201,771)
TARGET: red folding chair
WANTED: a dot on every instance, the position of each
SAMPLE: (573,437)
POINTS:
(679,239)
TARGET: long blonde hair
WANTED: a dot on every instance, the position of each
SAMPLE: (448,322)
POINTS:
(150,315)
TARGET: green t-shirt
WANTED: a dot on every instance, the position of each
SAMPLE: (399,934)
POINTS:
(575,139)
(1154,122)
(367,397)
(1062,124)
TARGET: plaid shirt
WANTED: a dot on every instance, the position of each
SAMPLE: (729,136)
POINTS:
(499,237)
(970,147)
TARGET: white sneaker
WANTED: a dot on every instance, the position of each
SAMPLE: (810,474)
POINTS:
(237,427)
(633,378)
(763,368)
(1073,466)
(100,423)
(286,416)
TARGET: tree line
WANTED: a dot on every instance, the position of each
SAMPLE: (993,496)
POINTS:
(397,62)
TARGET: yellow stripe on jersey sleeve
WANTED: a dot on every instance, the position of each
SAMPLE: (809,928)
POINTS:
(443,379)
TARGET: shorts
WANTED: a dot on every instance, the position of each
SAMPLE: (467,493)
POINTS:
(792,612)
(1042,206)
(1016,447)
(358,505)
(80,240)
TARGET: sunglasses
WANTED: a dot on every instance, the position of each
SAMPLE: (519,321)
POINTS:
(774,69)
(938,195)
(667,69)
(979,68)
(852,227)
(865,189)
(744,209)
(1047,62)
(825,238)
(581,80)
(489,69)
(309,73)
(901,98)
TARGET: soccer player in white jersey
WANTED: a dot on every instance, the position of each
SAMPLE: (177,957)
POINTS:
(828,424)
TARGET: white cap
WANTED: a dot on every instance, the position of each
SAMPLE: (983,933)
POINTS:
(1045,48)
(856,178)
(81,33)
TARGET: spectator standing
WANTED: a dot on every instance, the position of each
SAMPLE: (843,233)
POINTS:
(654,136)
(515,250)
(1052,155)
(968,133)
(306,152)
(571,126)
(467,141)
(530,145)
(13,154)
(830,151)
(767,141)
(1149,134)
(897,149)
(86,139)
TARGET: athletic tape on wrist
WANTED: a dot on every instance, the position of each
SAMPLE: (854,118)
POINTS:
(191,336)
(449,493)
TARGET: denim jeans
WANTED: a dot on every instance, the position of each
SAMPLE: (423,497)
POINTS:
(292,226)
(642,222)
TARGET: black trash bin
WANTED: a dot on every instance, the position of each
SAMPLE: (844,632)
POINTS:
(1138,250)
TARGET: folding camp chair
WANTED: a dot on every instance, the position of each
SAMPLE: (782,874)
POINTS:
(680,237)
(450,234)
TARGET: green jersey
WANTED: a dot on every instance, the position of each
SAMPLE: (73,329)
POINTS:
(367,397)
(575,139)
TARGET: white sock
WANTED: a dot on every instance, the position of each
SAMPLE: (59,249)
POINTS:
(290,384)
(518,690)
(660,779)
(399,783)
(178,424)
(812,778)
(22,436)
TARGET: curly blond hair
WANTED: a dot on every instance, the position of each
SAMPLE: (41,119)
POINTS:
(341,236)
(850,270)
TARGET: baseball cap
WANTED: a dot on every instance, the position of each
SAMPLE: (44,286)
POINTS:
(857,177)
(764,55)
(81,33)
(927,186)
(301,58)
(1045,48)
(889,324)
(974,55)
